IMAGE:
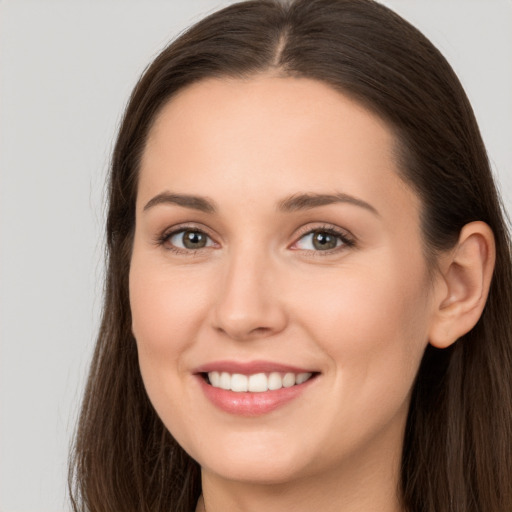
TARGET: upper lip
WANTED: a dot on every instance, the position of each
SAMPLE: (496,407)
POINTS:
(249,367)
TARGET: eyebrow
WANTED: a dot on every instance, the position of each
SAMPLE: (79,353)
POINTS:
(202,204)
(308,201)
(293,203)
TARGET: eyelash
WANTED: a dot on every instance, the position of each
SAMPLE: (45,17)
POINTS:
(347,241)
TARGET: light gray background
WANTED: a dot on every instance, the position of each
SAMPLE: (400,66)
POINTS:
(66,69)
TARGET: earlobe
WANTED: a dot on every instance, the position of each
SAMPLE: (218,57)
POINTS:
(466,273)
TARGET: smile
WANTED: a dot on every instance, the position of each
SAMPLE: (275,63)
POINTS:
(257,382)
(254,388)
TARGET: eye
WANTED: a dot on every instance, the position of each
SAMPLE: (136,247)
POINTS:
(189,239)
(325,239)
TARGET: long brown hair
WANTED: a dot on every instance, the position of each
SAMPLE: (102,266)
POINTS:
(457,453)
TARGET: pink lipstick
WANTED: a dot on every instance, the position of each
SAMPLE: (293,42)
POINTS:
(252,388)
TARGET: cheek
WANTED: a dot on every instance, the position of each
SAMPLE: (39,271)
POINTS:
(365,304)
(165,305)
(166,309)
(372,322)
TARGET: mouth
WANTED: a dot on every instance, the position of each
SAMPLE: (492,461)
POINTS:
(257,382)
(253,389)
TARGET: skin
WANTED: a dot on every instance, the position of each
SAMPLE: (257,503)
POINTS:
(361,315)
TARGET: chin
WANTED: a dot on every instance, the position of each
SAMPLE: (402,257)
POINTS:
(265,472)
(262,461)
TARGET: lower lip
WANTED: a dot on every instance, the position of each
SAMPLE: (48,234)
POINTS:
(250,403)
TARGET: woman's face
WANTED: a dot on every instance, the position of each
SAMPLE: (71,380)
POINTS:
(275,243)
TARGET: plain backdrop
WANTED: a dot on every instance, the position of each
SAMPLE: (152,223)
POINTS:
(66,69)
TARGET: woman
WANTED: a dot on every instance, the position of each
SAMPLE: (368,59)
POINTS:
(308,299)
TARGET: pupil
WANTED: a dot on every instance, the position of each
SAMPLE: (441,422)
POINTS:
(193,240)
(323,240)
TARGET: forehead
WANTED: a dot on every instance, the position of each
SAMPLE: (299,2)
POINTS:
(265,136)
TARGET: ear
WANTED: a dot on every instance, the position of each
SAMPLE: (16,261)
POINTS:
(466,273)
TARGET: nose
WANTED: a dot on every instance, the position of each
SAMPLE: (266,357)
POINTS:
(248,305)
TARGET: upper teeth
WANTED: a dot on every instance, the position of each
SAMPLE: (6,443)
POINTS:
(257,382)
